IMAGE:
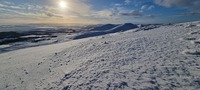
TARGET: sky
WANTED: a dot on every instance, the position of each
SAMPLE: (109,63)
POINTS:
(98,11)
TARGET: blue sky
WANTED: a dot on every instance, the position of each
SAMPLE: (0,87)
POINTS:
(98,11)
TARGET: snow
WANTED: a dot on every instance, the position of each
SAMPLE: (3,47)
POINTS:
(107,29)
(103,27)
(161,58)
(4,46)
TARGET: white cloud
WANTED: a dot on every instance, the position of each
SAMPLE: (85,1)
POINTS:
(25,12)
(151,7)
(118,5)
(192,5)
(132,13)
(128,1)
(77,10)
(147,7)
(104,14)
(171,3)
(144,7)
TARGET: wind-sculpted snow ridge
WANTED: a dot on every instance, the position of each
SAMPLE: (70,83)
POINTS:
(159,59)
(107,29)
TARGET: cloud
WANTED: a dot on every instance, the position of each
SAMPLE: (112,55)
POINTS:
(193,13)
(132,13)
(144,7)
(75,8)
(105,13)
(24,11)
(147,7)
(28,8)
(53,15)
(193,5)
(78,11)
(128,1)
(117,5)
(10,5)
(151,7)
(188,14)
(79,7)
(152,15)
(139,14)
(171,3)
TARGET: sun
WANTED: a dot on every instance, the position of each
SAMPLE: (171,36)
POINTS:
(62,4)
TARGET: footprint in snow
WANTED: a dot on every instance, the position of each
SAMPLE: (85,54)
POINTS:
(188,39)
(196,42)
(194,32)
(192,52)
(190,25)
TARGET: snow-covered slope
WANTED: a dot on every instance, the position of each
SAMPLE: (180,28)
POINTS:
(164,58)
(104,27)
(107,29)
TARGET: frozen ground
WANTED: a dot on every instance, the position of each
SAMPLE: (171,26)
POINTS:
(165,58)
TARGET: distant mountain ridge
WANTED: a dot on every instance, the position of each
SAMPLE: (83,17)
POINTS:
(107,29)
(104,27)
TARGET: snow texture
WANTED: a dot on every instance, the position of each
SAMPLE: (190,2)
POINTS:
(159,59)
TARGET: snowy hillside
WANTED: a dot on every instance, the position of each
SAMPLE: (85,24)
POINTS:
(164,58)
(107,29)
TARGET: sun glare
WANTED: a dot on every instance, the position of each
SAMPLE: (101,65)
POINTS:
(63,4)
